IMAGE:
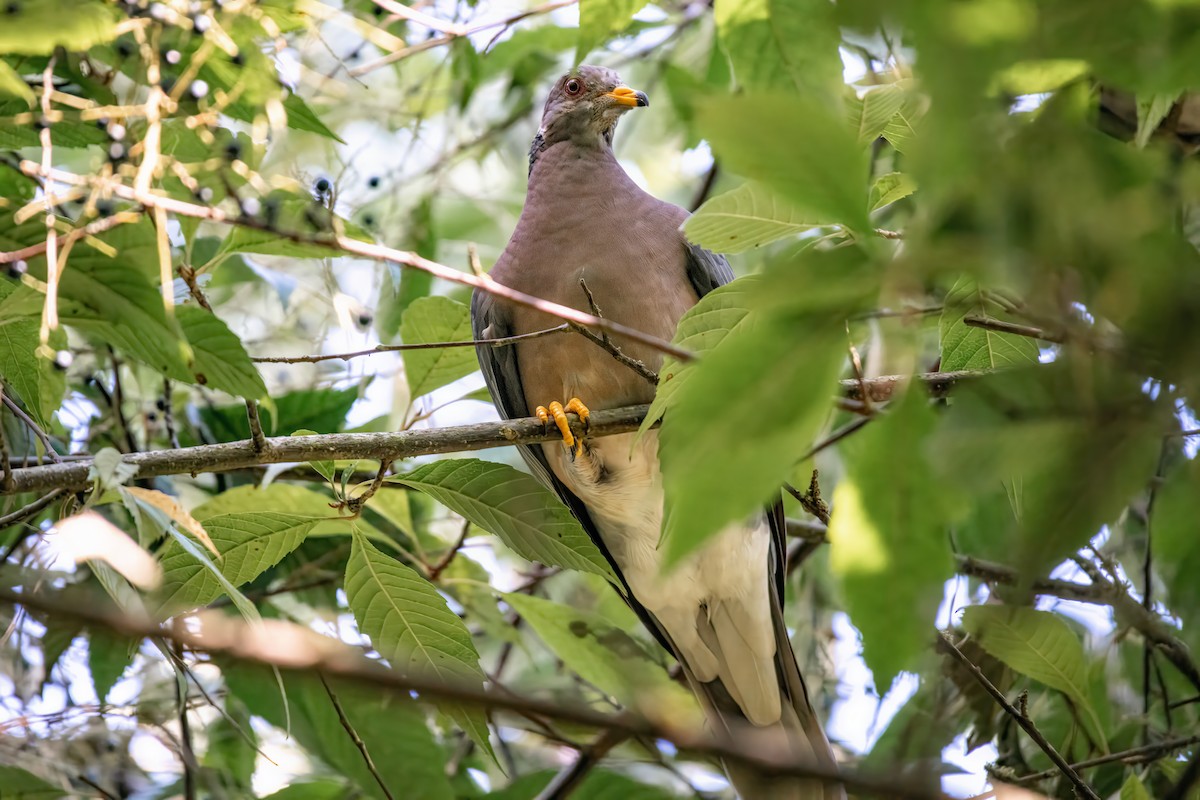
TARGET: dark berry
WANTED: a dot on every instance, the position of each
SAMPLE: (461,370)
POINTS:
(105,208)
(12,8)
(16,269)
(124,49)
(238,59)
(42,123)
(102,123)
(322,187)
(167,84)
(369,220)
(233,150)
(160,404)
(374,181)
(365,319)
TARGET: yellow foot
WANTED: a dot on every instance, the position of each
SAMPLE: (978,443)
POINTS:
(557,412)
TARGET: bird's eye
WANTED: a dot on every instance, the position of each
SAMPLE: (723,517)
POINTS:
(574,86)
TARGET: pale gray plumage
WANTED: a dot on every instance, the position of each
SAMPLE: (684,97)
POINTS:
(720,612)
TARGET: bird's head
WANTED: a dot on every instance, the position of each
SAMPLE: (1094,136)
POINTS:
(584,106)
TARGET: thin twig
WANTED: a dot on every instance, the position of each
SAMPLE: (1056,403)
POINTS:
(1134,755)
(5,459)
(606,343)
(22,514)
(1164,450)
(186,754)
(394,348)
(34,428)
(1000,326)
(354,737)
(53,267)
(169,414)
(1021,718)
(837,436)
(811,500)
(437,569)
(355,504)
(257,440)
(339,242)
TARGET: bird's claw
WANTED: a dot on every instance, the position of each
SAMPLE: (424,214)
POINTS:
(556,412)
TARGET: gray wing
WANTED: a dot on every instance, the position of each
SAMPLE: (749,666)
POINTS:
(706,270)
(489,320)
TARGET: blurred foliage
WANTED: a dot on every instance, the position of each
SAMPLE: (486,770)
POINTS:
(998,186)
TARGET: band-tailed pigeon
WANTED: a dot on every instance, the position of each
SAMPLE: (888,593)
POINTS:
(720,611)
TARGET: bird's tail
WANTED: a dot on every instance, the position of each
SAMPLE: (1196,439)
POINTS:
(797,737)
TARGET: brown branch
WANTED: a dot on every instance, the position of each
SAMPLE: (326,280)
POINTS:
(326,447)
(1000,326)
(395,348)
(1134,755)
(257,440)
(25,512)
(339,242)
(308,651)
(573,774)
(355,504)
(1022,719)
(354,737)
(91,229)
(811,500)
(883,387)
(5,458)
(437,569)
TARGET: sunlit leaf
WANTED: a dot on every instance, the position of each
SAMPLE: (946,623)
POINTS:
(600,19)
(219,360)
(967,347)
(891,187)
(888,528)
(36,27)
(411,626)
(781,44)
(746,217)
(430,320)
(512,505)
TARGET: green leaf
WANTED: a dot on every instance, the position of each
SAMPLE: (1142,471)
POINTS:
(232,744)
(1040,75)
(891,187)
(301,117)
(512,505)
(108,658)
(21,784)
(219,360)
(870,114)
(901,128)
(250,543)
(36,380)
(36,27)
(1037,644)
(600,19)
(888,529)
(604,655)
(744,218)
(1176,545)
(1134,789)
(311,790)
(754,404)
(1151,111)
(436,319)
(11,83)
(966,347)
(824,177)
(703,327)
(411,626)
(599,784)
(781,44)
(389,724)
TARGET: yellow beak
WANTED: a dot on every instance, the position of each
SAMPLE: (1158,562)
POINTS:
(625,96)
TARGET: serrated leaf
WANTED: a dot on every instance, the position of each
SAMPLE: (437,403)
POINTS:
(250,543)
(36,27)
(604,655)
(901,128)
(781,44)
(34,378)
(167,505)
(888,529)
(219,360)
(891,187)
(1151,111)
(701,329)
(870,114)
(436,319)
(969,348)
(513,506)
(411,626)
(600,19)
(754,404)
(823,178)
(21,784)
(389,724)
(1037,644)
(746,217)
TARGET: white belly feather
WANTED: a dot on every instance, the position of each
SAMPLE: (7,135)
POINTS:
(714,605)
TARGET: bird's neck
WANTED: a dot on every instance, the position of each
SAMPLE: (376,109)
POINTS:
(566,171)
